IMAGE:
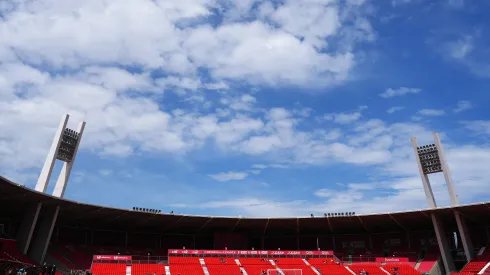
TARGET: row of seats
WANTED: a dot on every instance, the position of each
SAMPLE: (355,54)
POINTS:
(403,269)
(108,269)
(252,266)
(370,268)
(9,251)
(222,266)
(474,266)
(185,266)
(428,263)
(143,269)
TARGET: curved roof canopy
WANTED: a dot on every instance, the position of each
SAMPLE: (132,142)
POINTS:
(14,200)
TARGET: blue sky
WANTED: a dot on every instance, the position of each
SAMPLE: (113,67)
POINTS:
(251,108)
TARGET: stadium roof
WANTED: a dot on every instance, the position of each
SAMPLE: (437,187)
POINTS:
(14,199)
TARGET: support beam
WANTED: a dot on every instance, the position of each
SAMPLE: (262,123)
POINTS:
(59,189)
(24,235)
(464,235)
(44,177)
(443,244)
(48,217)
(445,170)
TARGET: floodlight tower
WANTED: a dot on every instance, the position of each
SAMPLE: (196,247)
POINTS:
(40,215)
(430,160)
(64,147)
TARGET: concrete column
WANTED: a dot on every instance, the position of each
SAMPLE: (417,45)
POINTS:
(24,235)
(43,180)
(47,220)
(464,235)
(443,244)
(429,195)
(445,170)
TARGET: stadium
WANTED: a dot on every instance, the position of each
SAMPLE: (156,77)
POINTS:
(38,228)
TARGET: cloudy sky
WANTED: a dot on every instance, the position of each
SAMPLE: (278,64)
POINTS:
(250,107)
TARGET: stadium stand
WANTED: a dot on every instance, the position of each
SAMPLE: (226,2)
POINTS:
(108,269)
(185,266)
(476,265)
(370,268)
(222,266)
(82,231)
(427,263)
(9,251)
(255,266)
(295,264)
(143,269)
(330,264)
(401,268)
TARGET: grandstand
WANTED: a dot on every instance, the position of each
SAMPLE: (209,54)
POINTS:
(111,241)
(36,227)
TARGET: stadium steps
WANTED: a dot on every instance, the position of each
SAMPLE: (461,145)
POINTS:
(476,265)
(384,270)
(277,268)
(312,267)
(328,266)
(242,269)
(255,266)
(427,263)
(350,270)
(484,269)
(203,266)
(285,264)
(403,268)
(370,268)
(185,266)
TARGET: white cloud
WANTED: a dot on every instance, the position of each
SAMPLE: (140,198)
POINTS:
(431,112)
(343,118)
(465,48)
(478,126)
(43,33)
(389,93)
(228,176)
(461,48)
(242,103)
(333,134)
(274,165)
(403,192)
(77,58)
(463,105)
(457,4)
(395,109)
(396,3)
